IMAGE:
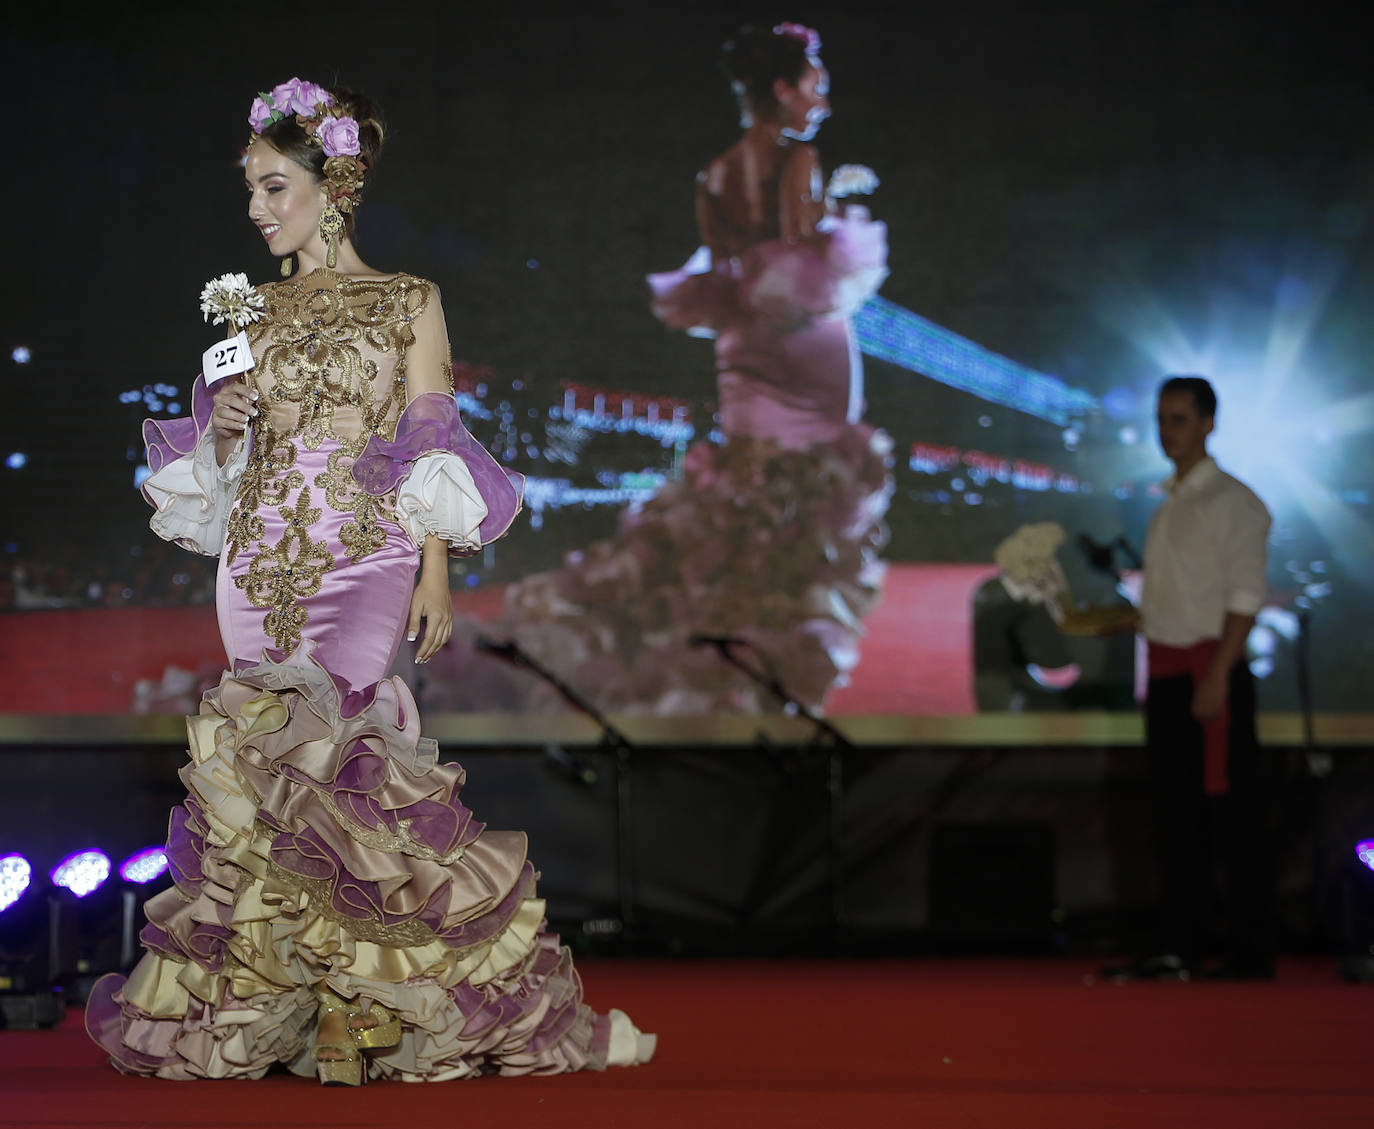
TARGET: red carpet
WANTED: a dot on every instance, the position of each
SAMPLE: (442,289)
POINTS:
(839,1045)
(915,659)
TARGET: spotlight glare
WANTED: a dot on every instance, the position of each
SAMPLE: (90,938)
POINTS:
(1364,849)
(144,866)
(82,873)
(16,460)
(21,355)
(15,873)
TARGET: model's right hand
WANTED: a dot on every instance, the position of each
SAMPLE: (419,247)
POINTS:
(235,407)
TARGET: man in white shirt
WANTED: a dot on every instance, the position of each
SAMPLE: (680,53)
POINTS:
(1205,559)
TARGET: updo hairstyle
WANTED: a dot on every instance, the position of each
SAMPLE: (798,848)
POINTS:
(290,140)
(754,59)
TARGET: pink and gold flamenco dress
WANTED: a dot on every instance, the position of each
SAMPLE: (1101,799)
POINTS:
(322,853)
(772,536)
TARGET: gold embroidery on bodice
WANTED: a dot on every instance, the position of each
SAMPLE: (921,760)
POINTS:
(330,372)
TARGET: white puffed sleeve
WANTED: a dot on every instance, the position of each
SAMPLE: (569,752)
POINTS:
(192,496)
(446,483)
(440,497)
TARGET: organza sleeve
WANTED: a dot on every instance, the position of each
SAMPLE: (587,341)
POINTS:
(829,274)
(191,494)
(447,484)
(699,297)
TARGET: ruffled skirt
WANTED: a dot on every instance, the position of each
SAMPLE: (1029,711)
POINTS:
(755,541)
(321,847)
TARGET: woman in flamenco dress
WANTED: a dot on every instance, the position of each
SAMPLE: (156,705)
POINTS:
(336,908)
(774,536)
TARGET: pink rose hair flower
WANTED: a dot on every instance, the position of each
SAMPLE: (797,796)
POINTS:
(259,115)
(808,35)
(284,96)
(308,98)
(339,136)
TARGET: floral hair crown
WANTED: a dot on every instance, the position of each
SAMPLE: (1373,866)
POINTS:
(326,125)
(808,35)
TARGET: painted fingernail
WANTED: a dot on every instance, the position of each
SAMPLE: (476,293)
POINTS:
(411,637)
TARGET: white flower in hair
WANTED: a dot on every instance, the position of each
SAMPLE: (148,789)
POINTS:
(233,299)
(852,180)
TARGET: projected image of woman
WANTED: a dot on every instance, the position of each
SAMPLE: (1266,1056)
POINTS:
(774,535)
(336,908)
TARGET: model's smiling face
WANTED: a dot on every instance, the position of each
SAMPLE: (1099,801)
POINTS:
(284,199)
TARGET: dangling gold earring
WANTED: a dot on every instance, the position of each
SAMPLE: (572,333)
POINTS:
(331,227)
(286,266)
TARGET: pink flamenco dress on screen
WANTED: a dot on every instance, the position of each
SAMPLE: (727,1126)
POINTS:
(772,536)
(322,853)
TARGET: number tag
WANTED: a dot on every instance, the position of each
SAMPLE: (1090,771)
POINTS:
(226,358)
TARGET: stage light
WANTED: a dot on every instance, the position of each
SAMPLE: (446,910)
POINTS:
(82,873)
(16,460)
(21,355)
(15,875)
(1364,851)
(144,866)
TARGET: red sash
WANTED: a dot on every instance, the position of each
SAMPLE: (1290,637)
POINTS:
(1170,662)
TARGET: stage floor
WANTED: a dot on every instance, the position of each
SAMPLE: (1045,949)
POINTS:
(944,1044)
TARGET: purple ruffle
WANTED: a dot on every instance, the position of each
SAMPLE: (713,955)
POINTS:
(831,274)
(329,787)
(431,423)
(167,440)
(698,296)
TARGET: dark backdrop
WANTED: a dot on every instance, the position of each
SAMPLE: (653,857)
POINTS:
(1101,192)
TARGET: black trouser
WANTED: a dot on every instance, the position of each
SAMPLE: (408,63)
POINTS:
(1200,838)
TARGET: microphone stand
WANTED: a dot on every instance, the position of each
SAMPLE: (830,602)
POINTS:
(612,739)
(838,745)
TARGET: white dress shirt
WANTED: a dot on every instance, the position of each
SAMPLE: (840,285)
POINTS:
(1204,557)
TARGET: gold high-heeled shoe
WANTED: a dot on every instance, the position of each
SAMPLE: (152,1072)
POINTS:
(346,1066)
(386,1032)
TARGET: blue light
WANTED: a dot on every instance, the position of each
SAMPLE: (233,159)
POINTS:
(15,875)
(16,460)
(558,493)
(1364,851)
(891,333)
(144,866)
(82,873)
(1120,404)
(21,355)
